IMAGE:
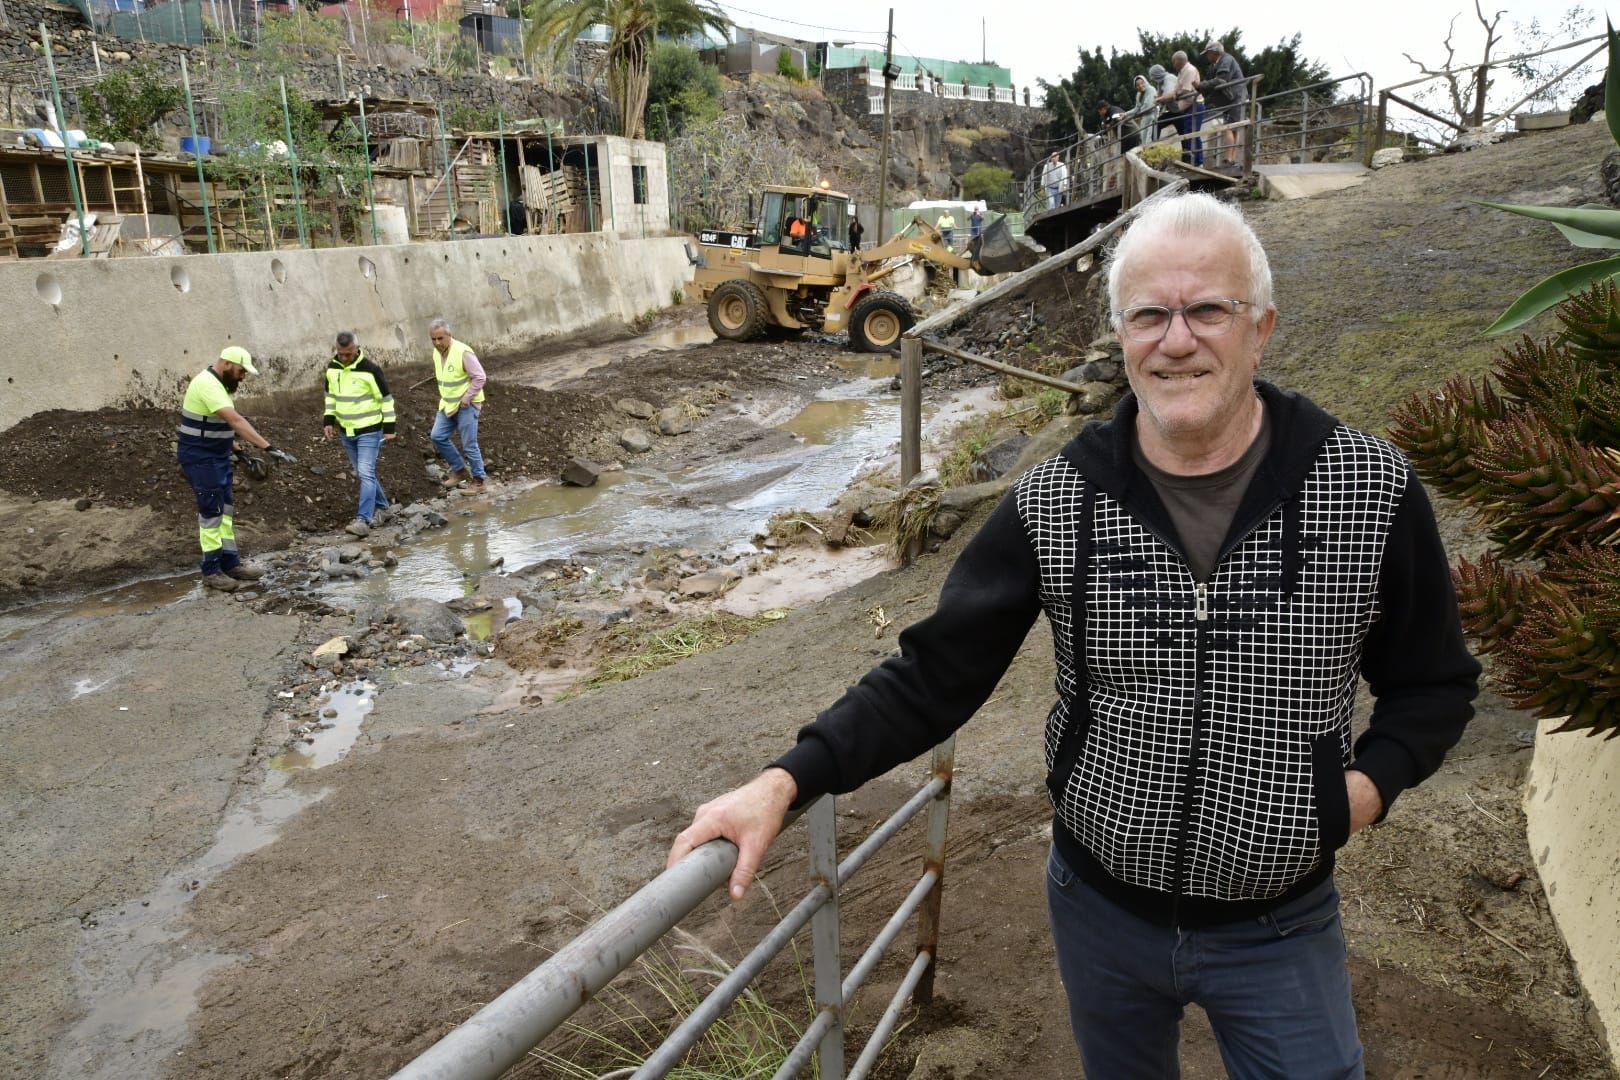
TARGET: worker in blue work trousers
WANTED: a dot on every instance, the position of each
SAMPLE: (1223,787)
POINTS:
(209,427)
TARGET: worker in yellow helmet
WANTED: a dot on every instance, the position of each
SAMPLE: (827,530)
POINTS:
(209,426)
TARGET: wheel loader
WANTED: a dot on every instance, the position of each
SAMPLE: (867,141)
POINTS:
(793,271)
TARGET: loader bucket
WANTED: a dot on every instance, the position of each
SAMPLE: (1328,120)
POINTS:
(995,251)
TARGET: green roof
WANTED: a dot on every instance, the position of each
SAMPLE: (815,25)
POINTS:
(952,71)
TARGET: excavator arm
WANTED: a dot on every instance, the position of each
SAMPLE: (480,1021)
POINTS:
(992,252)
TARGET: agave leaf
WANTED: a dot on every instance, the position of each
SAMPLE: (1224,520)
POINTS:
(1611,86)
(1553,290)
(1600,224)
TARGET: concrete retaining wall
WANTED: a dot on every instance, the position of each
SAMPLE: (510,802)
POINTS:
(1572,801)
(88,334)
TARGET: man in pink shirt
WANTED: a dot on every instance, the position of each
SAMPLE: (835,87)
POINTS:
(461,397)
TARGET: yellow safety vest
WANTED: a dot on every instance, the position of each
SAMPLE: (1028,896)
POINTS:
(452,376)
(355,400)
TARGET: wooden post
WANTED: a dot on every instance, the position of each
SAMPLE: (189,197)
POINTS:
(1482,78)
(911,351)
(1377,142)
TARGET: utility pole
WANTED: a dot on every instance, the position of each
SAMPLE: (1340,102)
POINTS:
(891,72)
(984,41)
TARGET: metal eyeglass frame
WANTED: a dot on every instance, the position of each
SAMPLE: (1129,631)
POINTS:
(1172,312)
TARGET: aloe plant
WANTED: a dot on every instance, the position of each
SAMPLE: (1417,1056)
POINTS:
(1533,449)
(1590,226)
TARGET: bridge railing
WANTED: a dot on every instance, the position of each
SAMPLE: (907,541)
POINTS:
(1325,121)
(502,1033)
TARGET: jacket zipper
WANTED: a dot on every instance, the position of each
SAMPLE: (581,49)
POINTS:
(1194,743)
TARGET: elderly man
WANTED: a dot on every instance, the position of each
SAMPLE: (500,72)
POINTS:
(1220,563)
(461,397)
(1225,94)
(359,406)
(209,429)
(1186,107)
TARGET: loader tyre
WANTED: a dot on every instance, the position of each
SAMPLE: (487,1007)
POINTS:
(878,320)
(737,311)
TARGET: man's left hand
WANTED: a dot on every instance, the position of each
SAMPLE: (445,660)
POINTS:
(390,436)
(1365,801)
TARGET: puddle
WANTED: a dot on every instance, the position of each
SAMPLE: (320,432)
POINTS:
(719,506)
(330,743)
(133,599)
(140,982)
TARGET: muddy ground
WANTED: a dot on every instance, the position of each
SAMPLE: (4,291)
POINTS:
(184,910)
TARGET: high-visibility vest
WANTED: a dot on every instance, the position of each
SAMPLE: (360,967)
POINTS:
(452,376)
(203,435)
(354,399)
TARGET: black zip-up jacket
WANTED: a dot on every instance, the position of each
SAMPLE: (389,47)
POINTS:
(1197,749)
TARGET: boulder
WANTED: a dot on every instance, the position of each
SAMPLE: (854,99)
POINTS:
(674,421)
(709,583)
(426,618)
(963,499)
(1389,155)
(867,503)
(635,440)
(641,410)
(926,478)
(998,458)
(581,473)
(349,553)
(1094,397)
(944,524)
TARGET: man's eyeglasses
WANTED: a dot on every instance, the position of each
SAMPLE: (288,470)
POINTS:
(1206,318)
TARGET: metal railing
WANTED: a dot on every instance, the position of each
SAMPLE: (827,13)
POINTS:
(1319,122)
(501,1034)
(1477,116)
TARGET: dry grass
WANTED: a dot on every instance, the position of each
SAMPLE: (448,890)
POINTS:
(634,651)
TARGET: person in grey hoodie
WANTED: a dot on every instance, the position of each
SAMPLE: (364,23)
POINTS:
(1162,83)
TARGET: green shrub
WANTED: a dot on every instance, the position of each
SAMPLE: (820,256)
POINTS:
(786,68)
(983,180)
(682,91)
(126,105)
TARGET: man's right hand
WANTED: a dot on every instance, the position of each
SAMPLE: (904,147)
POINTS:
(328,431)
(749,817)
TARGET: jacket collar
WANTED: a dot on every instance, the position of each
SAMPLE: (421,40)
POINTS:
(1103,452)
(358,358)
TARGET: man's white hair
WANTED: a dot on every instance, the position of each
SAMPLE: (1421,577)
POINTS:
(439,324)
(1190,215)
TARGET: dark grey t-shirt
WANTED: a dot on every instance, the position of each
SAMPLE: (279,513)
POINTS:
(1202,507)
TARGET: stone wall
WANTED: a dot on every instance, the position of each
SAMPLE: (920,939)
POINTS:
(921,158)
(397,74)
(120,331)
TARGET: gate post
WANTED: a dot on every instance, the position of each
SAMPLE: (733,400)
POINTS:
(939,815)
(824,936)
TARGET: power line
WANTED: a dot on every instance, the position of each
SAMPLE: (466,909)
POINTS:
(794,22)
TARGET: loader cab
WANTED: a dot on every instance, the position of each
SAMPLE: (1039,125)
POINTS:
(808,224)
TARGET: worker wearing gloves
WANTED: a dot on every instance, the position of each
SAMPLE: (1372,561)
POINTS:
(461,396)
(209,425)
(359,406)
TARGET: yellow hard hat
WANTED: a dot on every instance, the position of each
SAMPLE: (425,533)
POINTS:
(238,355)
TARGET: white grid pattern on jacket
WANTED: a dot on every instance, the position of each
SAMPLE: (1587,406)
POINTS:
(1281,674)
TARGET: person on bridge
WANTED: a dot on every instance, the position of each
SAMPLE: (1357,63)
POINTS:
(1221,564)
(359,406)
(209,428)
(855,234)
(946,224)
(1055,179)
(1187,106)
(976,223)
(1163,84)
(461,396)
(1226,94)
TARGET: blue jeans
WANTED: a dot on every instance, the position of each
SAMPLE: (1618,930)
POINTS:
(465,424)
(362,451)
(1276,989)
(1187,122)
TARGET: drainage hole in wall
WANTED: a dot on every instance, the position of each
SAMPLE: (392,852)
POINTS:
(278,270)
(368,269)
(180,279)
(49,289)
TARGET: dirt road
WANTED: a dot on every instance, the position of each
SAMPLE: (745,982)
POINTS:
(344,917)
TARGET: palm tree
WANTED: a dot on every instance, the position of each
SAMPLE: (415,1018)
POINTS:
(633,25)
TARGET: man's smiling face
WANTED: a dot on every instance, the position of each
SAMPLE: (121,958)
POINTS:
(1191,388)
